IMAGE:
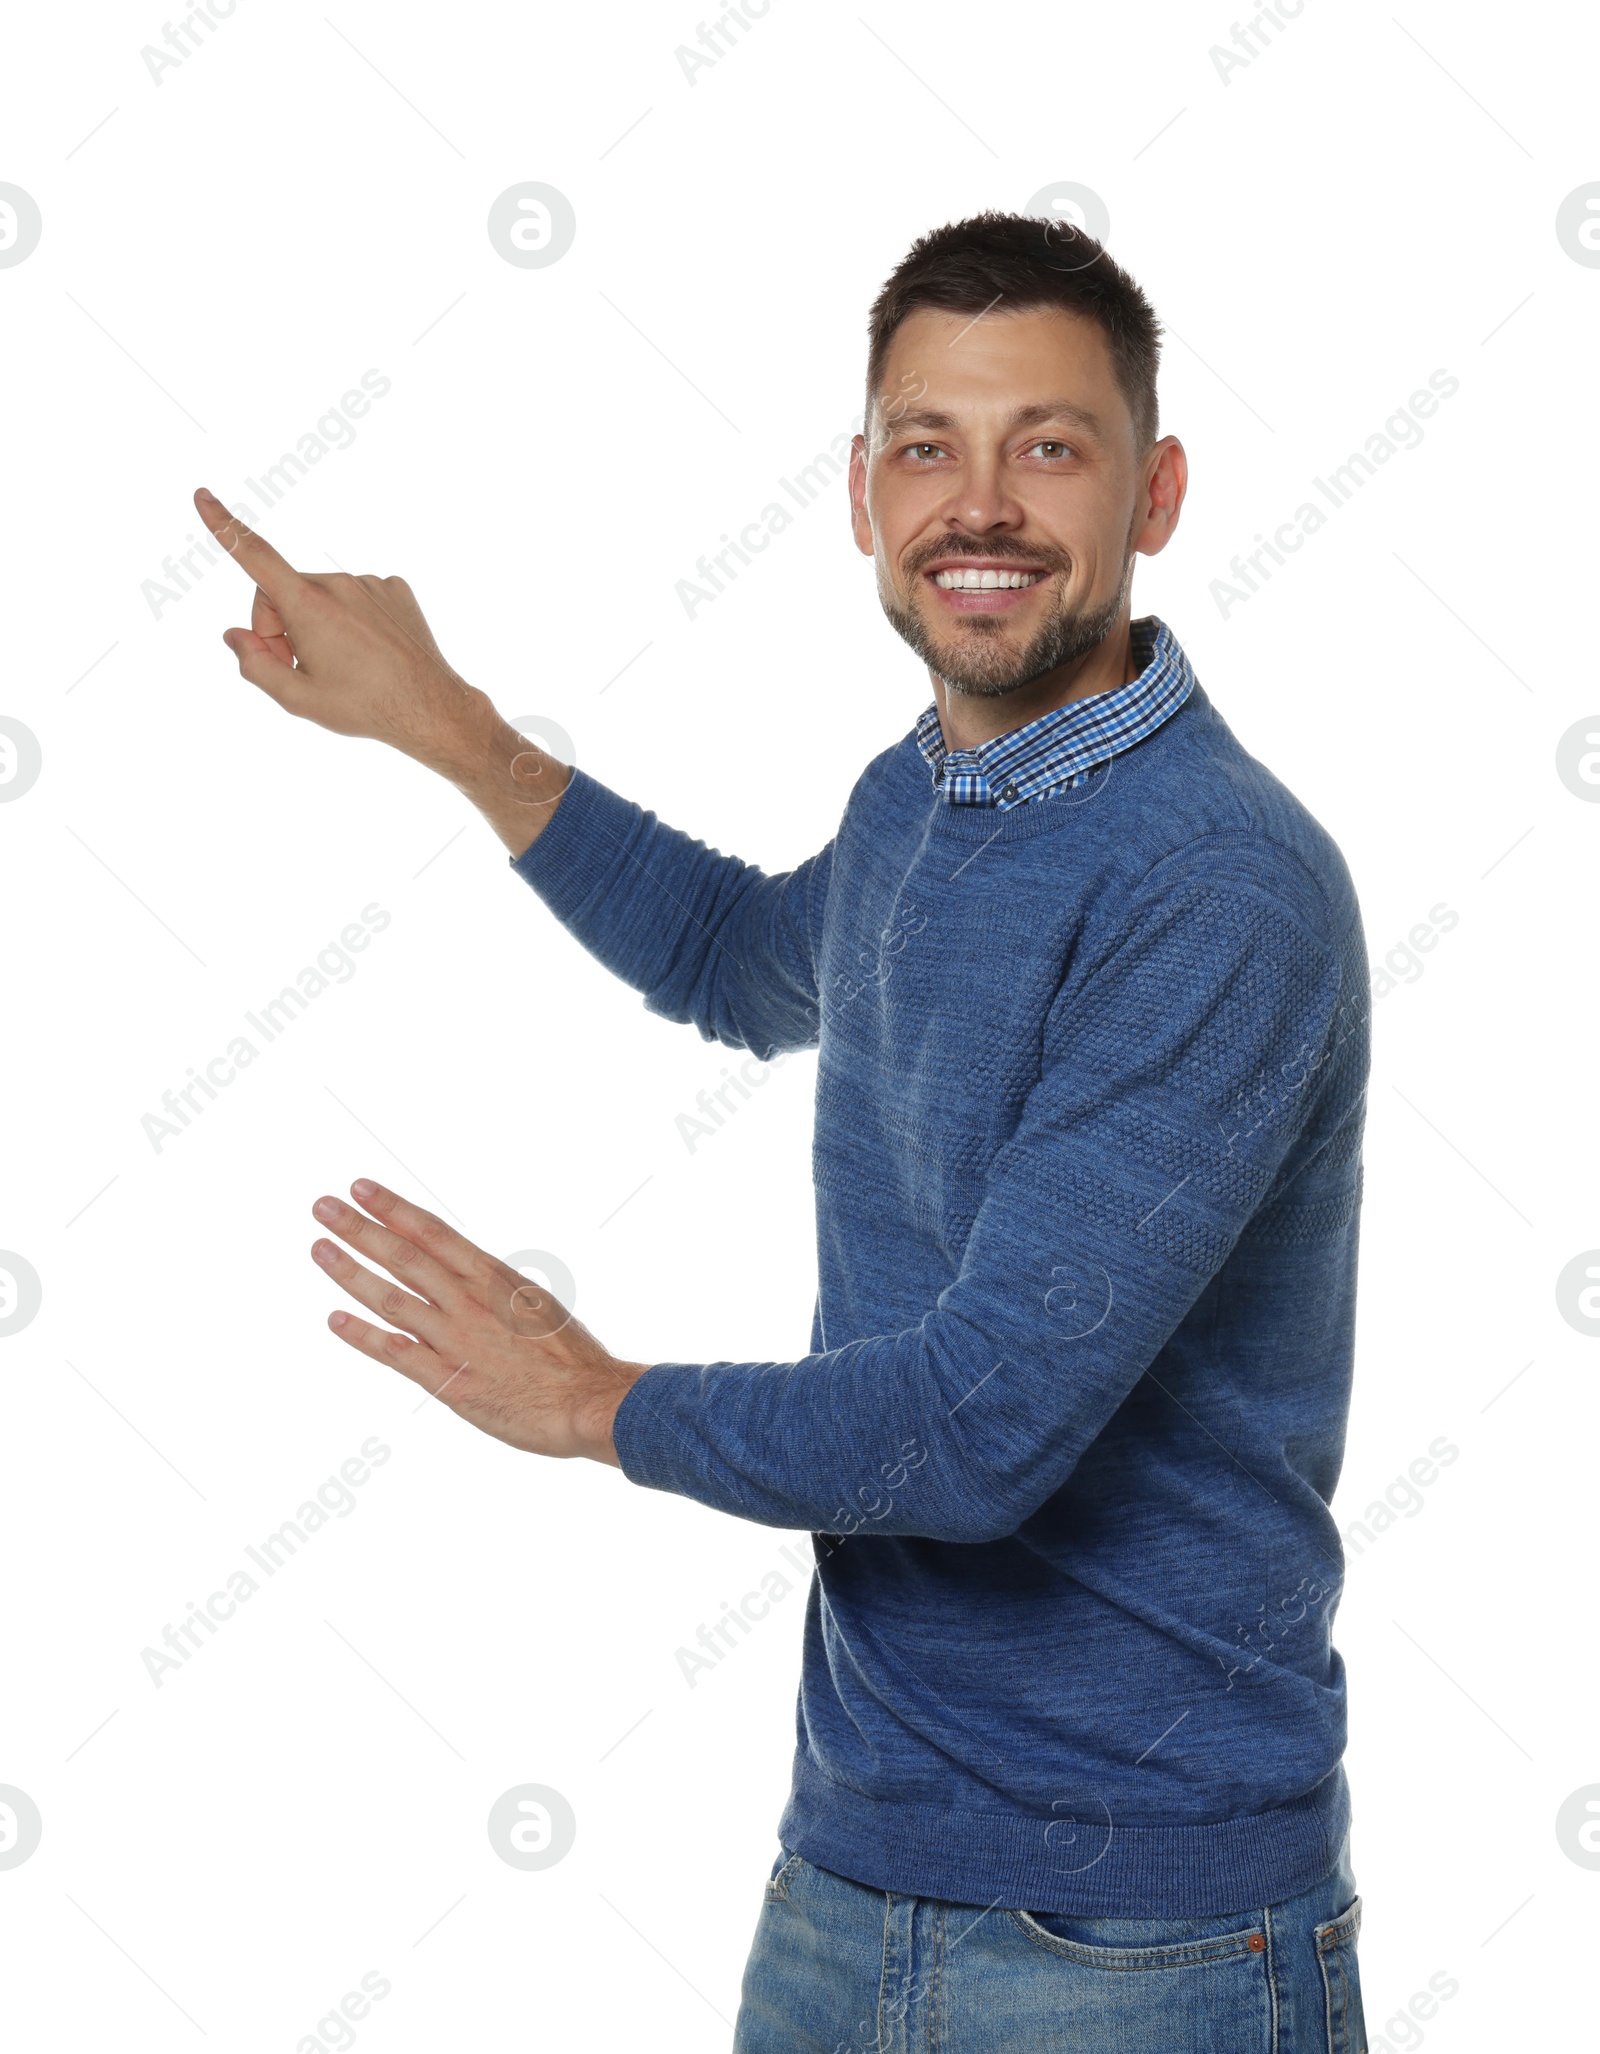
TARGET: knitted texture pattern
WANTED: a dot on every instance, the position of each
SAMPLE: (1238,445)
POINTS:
(1090,1084)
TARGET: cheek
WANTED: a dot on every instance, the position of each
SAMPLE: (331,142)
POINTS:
(1083,571)
(1067,530)
(905,502)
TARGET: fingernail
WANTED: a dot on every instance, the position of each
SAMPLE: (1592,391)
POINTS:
(324,1251)
(337,1319)
(326,1208)
(207,493)
(364,1188)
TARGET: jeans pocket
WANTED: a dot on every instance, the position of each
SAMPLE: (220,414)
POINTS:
(783,1874)
(1099,1985)
(1200,1952)
(1341,1981)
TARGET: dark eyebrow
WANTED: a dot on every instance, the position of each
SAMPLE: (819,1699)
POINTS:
(1038,415)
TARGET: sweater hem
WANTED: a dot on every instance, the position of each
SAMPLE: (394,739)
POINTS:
(1094,1869)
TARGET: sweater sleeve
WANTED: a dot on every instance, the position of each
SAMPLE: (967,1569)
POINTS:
(706,938)
(1175,1078)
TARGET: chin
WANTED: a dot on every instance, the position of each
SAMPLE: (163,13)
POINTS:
(986,664)
(970,688)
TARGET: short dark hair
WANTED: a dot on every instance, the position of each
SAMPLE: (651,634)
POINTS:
(1024,262)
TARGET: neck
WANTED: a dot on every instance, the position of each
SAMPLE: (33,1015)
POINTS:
(967,722)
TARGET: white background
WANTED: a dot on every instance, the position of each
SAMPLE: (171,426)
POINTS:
(304,199)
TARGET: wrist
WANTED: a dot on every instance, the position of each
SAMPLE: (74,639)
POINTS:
(457,743)
(597,1420)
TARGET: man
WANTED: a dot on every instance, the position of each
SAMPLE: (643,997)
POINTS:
(1089,992)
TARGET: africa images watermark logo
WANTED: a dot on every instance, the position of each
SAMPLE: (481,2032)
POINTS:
(180,40)
(21,759)
(532,224)
(752,1072)
(333,430)
(714,40)
(1578,224)
(1248,41)
(335,964)
(21,225)
(1402,430)
(20,1826)
(808,484)
(335,1498)
(532,1826)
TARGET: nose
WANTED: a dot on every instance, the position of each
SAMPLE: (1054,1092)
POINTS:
(981,500)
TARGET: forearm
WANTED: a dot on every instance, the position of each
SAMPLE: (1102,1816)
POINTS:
(514,783)
(828,1444)
(946,1431)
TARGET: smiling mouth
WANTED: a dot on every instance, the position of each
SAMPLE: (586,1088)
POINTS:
(986,580)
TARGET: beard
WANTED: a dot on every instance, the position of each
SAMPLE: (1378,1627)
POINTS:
(976,661)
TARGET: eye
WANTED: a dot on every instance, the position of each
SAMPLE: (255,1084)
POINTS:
(924,452)
(1054,451)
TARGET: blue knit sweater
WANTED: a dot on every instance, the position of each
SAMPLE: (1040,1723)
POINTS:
(1087,1157)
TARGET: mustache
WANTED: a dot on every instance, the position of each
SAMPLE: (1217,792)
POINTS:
(999,552)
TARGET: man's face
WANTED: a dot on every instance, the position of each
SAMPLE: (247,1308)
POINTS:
(1002,494)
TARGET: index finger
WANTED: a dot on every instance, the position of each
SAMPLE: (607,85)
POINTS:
(275,575)
(427,1231)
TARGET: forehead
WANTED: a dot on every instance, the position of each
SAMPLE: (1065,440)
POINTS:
(996,362)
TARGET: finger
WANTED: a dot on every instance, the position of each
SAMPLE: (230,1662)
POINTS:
(523,1306)
(454,1251)
(401,1257)
(388,1301)
(411,1358)
(266,621)
(276,576)
(259,663)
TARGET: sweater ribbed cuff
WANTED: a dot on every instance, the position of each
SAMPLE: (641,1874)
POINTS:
(581,846)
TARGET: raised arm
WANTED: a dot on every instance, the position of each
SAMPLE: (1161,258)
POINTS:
(706,937)
(355,655)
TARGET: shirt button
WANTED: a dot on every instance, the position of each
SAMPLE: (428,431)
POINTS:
(1008,792)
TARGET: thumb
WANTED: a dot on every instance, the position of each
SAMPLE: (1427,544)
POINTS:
(259,663)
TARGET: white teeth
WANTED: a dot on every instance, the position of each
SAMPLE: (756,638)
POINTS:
(986,581)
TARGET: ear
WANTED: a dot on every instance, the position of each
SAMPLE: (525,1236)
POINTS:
(1168,482)
(860,520)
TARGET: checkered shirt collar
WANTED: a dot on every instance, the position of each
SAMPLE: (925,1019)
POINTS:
(1060,748)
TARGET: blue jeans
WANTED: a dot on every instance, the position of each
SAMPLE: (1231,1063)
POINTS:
(840,1969)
